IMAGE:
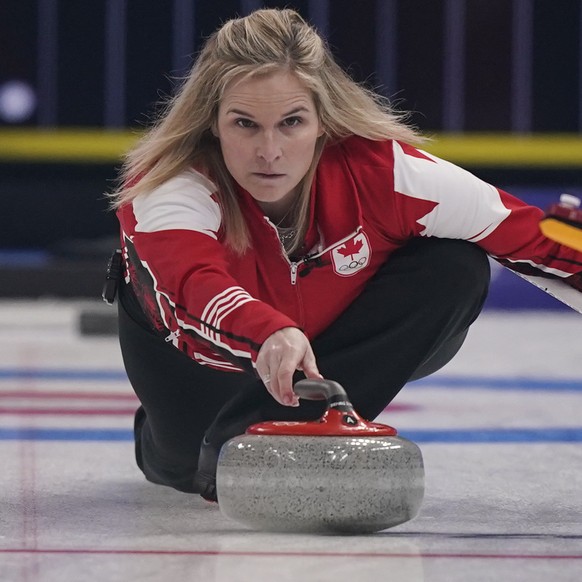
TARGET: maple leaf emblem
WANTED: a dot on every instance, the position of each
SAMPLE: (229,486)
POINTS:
(351,248)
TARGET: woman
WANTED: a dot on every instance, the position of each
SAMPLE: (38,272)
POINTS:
(278,222)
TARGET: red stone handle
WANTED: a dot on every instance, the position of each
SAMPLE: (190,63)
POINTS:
(340,418)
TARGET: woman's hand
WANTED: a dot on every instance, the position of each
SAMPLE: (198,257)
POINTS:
(282,353)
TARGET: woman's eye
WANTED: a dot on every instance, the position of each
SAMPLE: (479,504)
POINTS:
(245,123)
(292,121)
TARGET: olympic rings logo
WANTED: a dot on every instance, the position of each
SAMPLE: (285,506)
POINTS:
(353,264)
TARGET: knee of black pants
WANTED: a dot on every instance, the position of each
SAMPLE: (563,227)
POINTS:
(460,277)
(456,273)
(449,282)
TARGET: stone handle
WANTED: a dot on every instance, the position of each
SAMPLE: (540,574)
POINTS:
(315,389)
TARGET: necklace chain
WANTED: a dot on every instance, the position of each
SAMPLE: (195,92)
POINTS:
(286,236)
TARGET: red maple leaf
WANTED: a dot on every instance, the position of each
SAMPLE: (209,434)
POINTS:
(351,248)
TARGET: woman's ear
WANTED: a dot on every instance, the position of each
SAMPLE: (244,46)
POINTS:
(214,129)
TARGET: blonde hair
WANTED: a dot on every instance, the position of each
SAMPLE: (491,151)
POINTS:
(264,42)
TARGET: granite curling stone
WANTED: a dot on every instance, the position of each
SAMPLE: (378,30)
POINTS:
(339,474)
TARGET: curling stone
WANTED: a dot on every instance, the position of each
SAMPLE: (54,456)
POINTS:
(339,474)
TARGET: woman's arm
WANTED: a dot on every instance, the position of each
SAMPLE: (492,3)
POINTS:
(465,207)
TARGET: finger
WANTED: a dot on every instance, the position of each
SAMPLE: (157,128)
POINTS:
(309,365)
(274,390)
(271,386)
(265,378)
(284,386)
(274,382)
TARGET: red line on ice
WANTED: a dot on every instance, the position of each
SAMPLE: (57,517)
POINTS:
(43,394)
(259,554)
(66,411)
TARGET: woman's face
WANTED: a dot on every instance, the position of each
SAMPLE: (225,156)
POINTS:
(268,127)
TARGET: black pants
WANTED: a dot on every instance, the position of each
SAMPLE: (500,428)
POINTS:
(411,319)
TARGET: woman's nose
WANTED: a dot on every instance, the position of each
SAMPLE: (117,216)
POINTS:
(268,148)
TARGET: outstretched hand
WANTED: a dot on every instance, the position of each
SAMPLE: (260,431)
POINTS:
(282,353)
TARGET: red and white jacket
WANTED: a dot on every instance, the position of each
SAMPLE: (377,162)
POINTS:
(368,199)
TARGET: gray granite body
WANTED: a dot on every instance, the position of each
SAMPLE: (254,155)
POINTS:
(328,484)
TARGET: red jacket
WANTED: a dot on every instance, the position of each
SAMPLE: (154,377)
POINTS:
(368,199)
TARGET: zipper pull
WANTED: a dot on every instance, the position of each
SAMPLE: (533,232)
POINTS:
(173,336)
(294,267)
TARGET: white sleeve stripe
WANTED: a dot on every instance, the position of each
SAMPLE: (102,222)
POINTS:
(220,302)
(228,307)
(216,341)
(484,233)
(241,301)
(206,361)
(219,305)
(217,298)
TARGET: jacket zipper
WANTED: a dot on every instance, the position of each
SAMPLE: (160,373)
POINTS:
(174,335)
(294,266)
(294,269)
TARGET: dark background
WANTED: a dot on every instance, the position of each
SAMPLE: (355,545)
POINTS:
(106,63)
(353,31)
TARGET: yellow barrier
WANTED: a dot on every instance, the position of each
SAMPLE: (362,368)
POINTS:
(84,146)
(510,150)
(99,146)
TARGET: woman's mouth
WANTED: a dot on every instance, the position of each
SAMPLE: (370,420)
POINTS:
(268,176)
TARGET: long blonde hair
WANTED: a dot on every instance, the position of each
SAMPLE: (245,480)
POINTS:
(263,42)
